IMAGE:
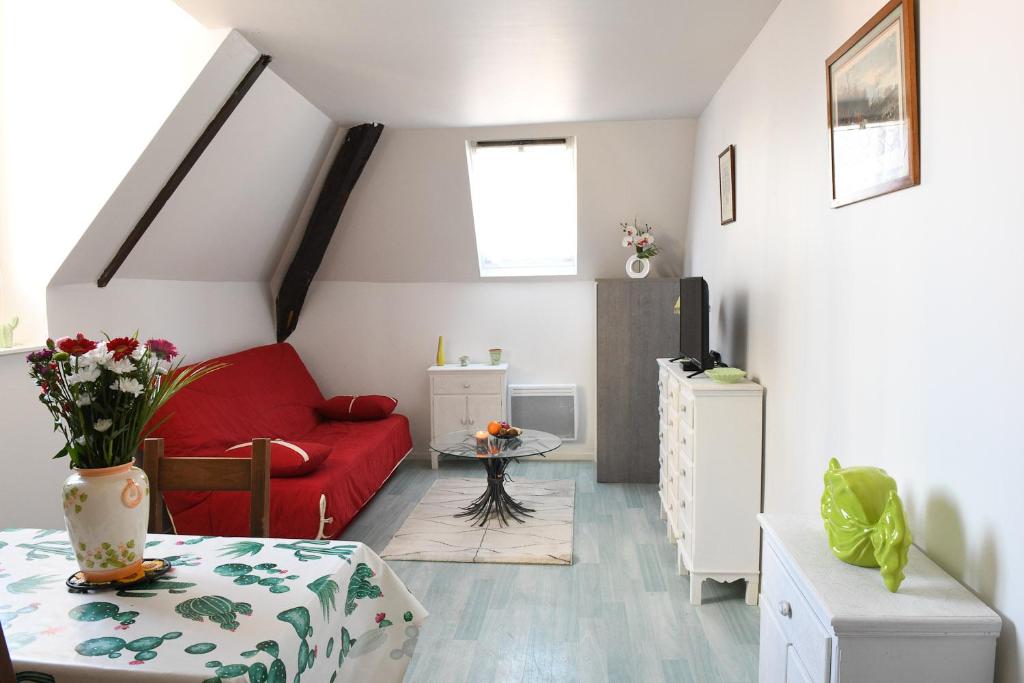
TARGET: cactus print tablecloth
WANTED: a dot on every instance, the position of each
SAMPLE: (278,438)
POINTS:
(231,609)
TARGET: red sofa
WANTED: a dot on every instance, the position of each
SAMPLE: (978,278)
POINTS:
(268,392)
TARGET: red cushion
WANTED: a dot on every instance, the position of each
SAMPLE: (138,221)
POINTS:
(287,458)
(364,455)
(265,391)
(358,408)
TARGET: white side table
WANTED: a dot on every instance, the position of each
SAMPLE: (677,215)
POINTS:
(466,398)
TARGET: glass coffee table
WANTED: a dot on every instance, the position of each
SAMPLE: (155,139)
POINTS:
(495,454)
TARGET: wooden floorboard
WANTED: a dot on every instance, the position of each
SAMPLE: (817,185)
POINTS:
(619,613)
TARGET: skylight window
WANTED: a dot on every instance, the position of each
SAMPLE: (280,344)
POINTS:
(524,206)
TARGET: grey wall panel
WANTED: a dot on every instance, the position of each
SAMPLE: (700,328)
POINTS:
(635,326)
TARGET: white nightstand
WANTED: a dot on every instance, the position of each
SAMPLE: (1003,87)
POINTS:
(466,398)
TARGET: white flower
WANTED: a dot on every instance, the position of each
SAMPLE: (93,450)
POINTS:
(627,241)
(120,367)
(98,356)
(86,373)
(139,351)
(128,385)
(84,400)
(102,425)
(630,230)
(644,242)
(162,367)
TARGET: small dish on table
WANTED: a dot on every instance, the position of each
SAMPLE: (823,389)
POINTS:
(726,375)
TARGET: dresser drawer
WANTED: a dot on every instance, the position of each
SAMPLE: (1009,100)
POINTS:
(467,384)
(685,468)
(795,617)
(685,405)
(684,438)
(685,503)
(684,536)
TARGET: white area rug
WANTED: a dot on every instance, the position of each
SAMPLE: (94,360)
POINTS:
(433,533)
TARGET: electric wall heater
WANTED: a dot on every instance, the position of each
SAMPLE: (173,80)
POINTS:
(546,407)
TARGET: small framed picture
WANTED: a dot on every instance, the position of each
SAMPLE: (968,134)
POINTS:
(727,184)
(872,107)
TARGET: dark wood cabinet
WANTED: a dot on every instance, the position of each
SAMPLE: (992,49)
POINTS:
(635,326)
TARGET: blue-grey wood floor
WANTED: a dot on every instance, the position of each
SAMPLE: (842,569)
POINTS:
(619,613)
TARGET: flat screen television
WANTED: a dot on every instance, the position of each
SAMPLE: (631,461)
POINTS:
(694,311)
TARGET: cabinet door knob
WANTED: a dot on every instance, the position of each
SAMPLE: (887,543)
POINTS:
(785,609)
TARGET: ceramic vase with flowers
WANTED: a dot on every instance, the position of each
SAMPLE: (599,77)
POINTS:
(102,396)
(641,239)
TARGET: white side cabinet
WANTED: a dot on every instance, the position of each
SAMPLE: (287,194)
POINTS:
(710,476)
(825,621)
(466,398)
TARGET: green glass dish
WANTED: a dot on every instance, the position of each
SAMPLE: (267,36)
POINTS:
(864,520)
(726,375)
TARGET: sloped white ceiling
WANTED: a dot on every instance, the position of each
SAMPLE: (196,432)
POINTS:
(485,62)
(230,217)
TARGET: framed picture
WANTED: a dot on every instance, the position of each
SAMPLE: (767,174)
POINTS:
(872,107)
(727,184)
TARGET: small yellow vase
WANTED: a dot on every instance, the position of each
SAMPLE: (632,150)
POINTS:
(440,350)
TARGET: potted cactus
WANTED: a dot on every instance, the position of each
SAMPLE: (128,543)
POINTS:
(7,333)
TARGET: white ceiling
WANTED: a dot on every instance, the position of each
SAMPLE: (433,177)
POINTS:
(487,62)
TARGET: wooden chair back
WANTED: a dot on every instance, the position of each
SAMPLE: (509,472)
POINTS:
(210,474)
(6,666)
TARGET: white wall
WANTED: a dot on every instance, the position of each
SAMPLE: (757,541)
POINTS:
(30,487)
(379,338)
(887,332)
(203,319)
(402,268)
(83,88)
(410,218)
(198,276)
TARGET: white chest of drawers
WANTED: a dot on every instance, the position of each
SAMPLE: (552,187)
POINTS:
(825,621)
(466,398)
(710,481)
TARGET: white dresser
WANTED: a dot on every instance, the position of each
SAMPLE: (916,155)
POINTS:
(710,482)
(466,398)
(825,621)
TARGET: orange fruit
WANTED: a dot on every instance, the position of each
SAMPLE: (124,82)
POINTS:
(493,427)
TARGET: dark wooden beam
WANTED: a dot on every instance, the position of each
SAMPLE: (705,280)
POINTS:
(341,178)
(200,145)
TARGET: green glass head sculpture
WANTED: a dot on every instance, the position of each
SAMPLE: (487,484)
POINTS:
(864,520)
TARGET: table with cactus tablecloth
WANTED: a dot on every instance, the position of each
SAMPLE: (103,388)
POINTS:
(230,609)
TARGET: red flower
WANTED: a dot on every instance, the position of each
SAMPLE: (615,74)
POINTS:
(379,618)
(122,347)
(162,349)
(77,346)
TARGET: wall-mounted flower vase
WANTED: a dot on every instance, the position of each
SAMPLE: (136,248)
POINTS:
(864,520)
(107,511)
(637,267)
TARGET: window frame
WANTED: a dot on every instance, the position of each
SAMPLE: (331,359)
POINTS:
(486,267)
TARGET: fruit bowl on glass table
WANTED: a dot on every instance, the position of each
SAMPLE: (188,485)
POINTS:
(495,453)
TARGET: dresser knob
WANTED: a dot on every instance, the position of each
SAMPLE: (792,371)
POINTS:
(785,609)
(465,386)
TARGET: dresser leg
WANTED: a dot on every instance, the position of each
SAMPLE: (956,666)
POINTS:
(753,588)
(680,566)
(661,512)
(696,583)
(433,460)
(668,533)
